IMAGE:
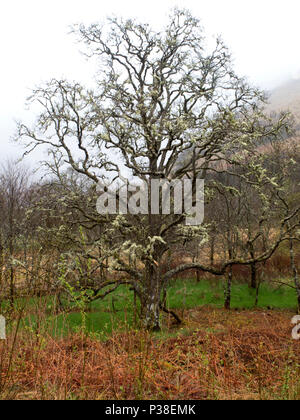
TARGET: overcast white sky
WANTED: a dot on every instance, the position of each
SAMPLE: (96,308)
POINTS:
(263,36)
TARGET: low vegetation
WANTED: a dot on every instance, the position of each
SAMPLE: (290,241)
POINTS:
(98,352)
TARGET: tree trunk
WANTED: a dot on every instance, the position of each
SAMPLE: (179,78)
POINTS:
(151,311)
(1,264)
(257,293)
(212,251)
(197,271)
(253,283)
(150,301)
(295,273)
(12,286)
(228,290)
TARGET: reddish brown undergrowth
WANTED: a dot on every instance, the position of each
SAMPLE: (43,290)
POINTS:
(217,355)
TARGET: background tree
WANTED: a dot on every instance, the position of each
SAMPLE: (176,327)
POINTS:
(14,185)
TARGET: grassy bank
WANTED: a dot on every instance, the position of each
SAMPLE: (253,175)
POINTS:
(116,312)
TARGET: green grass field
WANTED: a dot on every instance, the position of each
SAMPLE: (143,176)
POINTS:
(115,311)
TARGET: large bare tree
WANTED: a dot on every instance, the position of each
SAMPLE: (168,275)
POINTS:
(164,107)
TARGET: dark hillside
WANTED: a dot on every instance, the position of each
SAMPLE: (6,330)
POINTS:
(287,97)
